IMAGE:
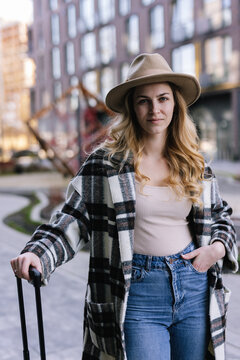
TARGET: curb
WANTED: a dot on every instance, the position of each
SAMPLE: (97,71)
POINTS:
(43,202)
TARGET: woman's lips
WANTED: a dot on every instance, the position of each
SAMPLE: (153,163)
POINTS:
(155,120)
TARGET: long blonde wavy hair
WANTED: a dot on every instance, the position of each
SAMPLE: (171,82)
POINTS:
(186,164)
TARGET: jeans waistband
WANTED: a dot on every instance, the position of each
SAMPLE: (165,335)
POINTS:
(156,262)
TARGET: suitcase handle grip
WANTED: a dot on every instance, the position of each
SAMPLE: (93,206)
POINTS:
(35,276)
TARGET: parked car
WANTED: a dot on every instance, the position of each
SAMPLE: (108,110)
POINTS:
(28,160)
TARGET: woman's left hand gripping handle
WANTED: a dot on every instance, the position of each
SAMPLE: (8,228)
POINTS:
(21,264)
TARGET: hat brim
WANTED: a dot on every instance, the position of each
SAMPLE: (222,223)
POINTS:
(187,84)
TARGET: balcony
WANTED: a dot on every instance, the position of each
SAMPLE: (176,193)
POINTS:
(213,79)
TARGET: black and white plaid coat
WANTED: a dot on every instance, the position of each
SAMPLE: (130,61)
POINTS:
(100,208)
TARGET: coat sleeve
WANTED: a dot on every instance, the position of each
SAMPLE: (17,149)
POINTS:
(67,232)
(222,228)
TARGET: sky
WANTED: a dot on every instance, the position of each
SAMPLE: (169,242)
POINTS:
(16,10)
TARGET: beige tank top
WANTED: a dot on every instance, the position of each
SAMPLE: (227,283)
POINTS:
(161,228)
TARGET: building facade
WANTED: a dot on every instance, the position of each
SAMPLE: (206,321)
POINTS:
(16,80)
(95,40)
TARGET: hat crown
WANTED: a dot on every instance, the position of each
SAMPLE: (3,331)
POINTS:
(149,69)
(148,65)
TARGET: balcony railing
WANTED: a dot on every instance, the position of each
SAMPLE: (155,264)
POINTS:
(213,79)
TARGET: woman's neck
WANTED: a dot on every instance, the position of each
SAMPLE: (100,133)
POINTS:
(154,147)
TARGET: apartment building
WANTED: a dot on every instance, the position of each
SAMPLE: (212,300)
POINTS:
(16,80)
(95,40)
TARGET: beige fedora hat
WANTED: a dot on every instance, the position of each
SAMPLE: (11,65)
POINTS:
(152,68)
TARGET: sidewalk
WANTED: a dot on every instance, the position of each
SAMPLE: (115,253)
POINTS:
(229,188)
(32,181)
(231,168)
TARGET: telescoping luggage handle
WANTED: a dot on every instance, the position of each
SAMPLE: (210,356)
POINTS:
(35,275)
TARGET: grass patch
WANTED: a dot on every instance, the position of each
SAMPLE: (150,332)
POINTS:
(21,220)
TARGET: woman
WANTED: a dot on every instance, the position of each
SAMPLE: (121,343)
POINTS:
(159,231)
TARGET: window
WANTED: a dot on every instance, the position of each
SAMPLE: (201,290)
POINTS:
(106,10)
(56,63)
(45,98)
(53,4)
(218,13)
(70,58)
(157,27)
(107,40)
(182,27)
(133,35)
(90,81)
(74,81)
(57,90)
(124,71)
(88,51)
(71,19)
(218,55)
(183,59)
(74,100)
(55,29)
(87,14)
(107,80)
(227,49)
(124,7)
(30,40)
(226,12)
(147,2)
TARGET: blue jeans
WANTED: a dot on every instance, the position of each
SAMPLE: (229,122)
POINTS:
(167,310)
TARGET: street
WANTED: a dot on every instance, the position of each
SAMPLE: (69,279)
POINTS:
(63,298)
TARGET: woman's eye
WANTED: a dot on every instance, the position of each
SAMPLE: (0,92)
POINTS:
(142,101)
(163,98)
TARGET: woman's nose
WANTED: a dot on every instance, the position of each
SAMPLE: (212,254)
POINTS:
(155,107)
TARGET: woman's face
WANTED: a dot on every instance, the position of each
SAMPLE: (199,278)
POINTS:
(153,105)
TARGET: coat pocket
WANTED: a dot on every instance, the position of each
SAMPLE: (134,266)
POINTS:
(102,326)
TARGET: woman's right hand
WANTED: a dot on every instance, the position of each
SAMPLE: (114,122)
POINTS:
(21,264)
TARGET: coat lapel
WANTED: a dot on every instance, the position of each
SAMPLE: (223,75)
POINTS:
(122,188)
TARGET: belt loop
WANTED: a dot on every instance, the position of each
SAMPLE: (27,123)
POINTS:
(149,263)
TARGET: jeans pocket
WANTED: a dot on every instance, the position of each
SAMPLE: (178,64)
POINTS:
(102,326)
(195,270)
(138,274)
